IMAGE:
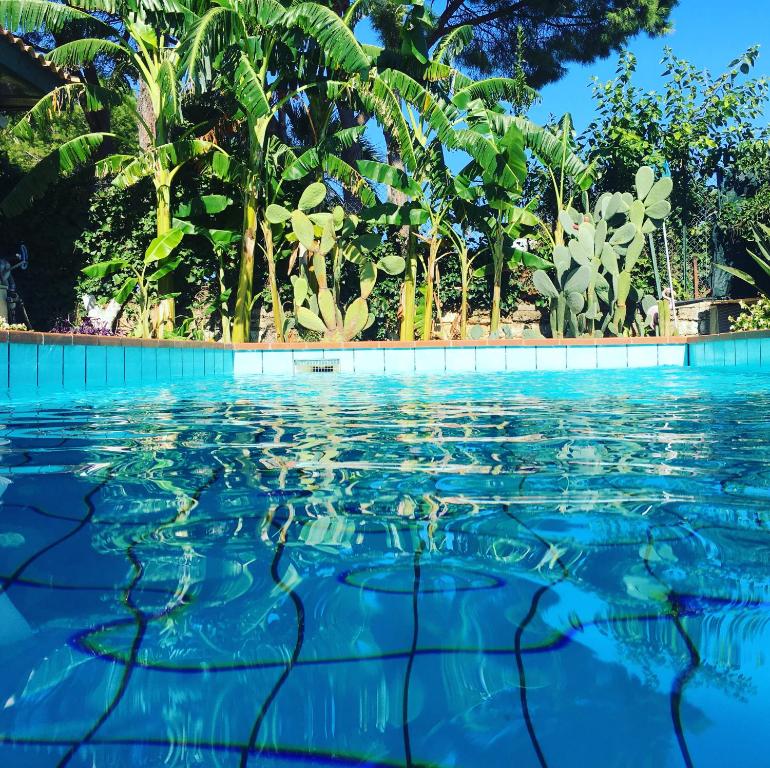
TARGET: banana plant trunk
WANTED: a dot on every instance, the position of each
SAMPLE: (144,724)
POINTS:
(465,280)
(166,307)
(223,312)
(275,297)
(410,281)
(497,257)
(427,322)
(242,316)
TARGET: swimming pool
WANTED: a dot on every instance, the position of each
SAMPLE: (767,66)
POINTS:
(561,569)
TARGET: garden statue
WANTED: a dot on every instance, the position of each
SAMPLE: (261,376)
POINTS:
(11,306)
(100,317)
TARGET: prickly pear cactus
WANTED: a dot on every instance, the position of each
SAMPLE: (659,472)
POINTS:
(590,290)
(317,306)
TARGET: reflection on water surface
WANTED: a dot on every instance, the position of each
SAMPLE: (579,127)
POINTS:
(529,570)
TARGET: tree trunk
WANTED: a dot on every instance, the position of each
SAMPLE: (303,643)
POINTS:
(223,312)
(275,297)
(409,287)
(497,257)
(464,277)
(242,317)
(147,113)
(166,307)
(351,118)
(427,322)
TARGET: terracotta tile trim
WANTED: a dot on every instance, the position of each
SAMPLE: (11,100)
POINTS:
(728,336)
(609,342)
(68,339)
(31,337)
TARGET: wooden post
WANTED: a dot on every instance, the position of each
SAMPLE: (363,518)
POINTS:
(695,276)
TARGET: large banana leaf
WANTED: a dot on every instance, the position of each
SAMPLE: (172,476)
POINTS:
(439,116)
(36,15)
(91,98)
(452,44)
(169,156)
(335,38)
(327,157)
(380,100)
(395,178)
(212,32)
(249,92)
(490,92)
(554,151)
(84,51)
(63,161)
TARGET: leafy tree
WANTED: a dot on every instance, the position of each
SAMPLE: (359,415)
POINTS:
(697,127)
(555,32)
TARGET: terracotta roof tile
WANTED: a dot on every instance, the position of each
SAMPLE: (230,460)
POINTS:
(38,57)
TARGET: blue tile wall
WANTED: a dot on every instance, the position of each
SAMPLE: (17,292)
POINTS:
(23,366)
(345,357)
(754,351)
(246,363)
(116,365)
(209,362)
(460,359)
(74,366)
(696,354)
(642,355)
(133,359)
(672,354)
(176,363)
(520,358)
(490,359)
(612,356)
(96,366)
(74,369)
(188,362)
(399,361)
(551,358)
(4,352)
(199,363)
(369,360)
(277,362)
(764,352)
(581,357)
(163,363)
(149,364)
(429,360)
(50,366)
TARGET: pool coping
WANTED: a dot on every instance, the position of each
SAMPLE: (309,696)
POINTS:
(69,339)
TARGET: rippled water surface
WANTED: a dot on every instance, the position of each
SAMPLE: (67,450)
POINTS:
(504,570)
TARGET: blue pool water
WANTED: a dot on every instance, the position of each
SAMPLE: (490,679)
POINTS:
(567,569)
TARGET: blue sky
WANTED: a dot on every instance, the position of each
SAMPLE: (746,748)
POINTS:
(709,33)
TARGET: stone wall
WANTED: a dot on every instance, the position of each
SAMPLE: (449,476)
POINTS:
(707,316)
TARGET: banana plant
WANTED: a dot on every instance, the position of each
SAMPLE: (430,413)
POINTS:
(761,259)
(257,49)
(557,154)
(221,240)
(143,46)
(145,280)
(495,188)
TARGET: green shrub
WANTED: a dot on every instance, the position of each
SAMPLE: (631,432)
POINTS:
(754,317)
